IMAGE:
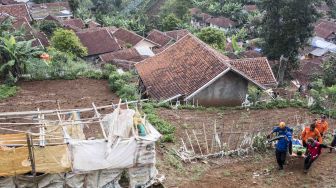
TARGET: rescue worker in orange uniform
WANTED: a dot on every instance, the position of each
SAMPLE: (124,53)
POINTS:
(310,132)
(322,125)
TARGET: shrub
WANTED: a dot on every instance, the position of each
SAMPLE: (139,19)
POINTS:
(7,91)
(67,41)
(48,27)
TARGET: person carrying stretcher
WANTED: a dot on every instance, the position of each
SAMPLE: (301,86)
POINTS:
(313,152)
(310,132)
(282,129)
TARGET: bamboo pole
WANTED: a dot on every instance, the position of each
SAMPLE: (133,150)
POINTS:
(61,112)
(100,121)
(197,142)
(190,142)
(206,139)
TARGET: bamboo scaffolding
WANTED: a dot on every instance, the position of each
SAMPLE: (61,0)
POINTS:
(64,111)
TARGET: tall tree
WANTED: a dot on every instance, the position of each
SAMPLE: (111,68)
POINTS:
(287,25)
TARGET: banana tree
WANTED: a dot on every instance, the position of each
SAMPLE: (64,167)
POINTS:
(15,55)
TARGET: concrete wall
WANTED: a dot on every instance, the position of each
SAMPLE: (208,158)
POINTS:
(229,90)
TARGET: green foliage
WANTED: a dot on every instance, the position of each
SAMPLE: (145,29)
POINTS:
(170,22)
(74,4)
(286,27)
(329,71)
(259,143)
(121,84)
(14,56)
(180,8)
(7,91)
(48,26)
(68,42)
(213,37)
(107,70)
(61,66)
(254,94)
(162,126)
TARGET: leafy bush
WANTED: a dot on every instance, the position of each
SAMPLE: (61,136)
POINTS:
(162,126)
(48,26)
(68,42)
(128,91)
(61,66)
(7,91)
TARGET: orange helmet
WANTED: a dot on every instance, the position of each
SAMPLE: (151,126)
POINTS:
(282,125)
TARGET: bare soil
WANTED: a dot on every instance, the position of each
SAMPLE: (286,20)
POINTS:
(251,171)
(64,94)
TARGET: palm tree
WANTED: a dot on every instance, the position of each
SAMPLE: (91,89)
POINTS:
(14,56)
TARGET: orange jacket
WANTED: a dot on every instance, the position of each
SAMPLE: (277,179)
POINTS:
(308,133)
(322,127)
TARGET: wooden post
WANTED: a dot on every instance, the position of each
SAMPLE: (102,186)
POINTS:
(31,156)
(190,142)
(65,132)
(100,121)
(197,142)
(205,138)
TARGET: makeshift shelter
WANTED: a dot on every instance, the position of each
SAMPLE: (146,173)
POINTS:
(58,153)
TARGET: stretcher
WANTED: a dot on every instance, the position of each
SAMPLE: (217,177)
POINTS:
(297,148)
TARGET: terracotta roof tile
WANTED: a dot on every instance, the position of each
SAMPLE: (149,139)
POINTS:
(129,37)
(93,24)
(307,69)
(98,41)
(9,2)
(182,68)
(177,34)
(221,22)
(258,69)
(195,11)
(159,37)
(130,54)
(325,28)
(16,10)
(251,8)
(189,64)
(77,22)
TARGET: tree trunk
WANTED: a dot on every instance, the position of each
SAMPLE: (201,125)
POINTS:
(282,69)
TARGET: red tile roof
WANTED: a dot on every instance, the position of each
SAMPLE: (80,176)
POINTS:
(130,54)
(251,8)
(9,2)
(325,28)
(159,37)
(93,24)
(16,10)
(177,34)
(98,41)
(195,11)
(307,69)
(221,22)
(77,22)
(129,37)
(189,64)
(257,69)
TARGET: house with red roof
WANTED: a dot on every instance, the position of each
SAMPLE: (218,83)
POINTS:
(129,39)
(16,11)
(190,70)
(326,30)
(98,42)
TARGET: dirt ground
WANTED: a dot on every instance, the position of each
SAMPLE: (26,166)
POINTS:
(66,94)
(70,94)
(251,171)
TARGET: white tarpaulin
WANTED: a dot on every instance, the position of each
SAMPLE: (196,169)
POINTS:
(90,155)
(119,123)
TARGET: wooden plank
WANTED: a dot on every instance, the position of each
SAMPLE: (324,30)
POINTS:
(100,121)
